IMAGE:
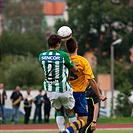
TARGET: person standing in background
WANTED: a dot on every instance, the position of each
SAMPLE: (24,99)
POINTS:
(16,98)
(47,108)
(132,111)
(38,109)
(28,99)
(3,96)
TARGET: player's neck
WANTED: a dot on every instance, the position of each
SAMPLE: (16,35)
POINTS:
(73,54)
(53,48)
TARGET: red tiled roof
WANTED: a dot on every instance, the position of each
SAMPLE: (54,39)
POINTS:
(131,3)
(54,8)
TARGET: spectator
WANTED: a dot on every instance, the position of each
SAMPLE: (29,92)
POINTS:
(47,108)
(132,112)
(3,96)
(38,109)
(28,99)
(16,98)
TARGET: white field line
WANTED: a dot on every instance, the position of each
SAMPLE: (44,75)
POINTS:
(42,130)
(28,130)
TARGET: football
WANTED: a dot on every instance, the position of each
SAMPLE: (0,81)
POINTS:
(64,33)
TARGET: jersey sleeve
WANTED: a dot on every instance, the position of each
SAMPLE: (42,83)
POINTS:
(91,93)
(40,61)
(69,64)
(87,69)
(95,98)
(12,95)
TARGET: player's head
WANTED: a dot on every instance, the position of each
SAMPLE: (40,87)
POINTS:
(40,92)
(17,88)
(71,45)
(53,41)
(1,85)
(28,91)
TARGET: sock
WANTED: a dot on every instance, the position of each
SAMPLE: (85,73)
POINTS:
(76,125)
(60,120)
(72,118)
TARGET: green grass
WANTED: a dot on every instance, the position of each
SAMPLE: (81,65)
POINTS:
(97,131)
(118,120)
(113,131)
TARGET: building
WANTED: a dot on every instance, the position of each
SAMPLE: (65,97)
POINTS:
(91,59)
(54,10)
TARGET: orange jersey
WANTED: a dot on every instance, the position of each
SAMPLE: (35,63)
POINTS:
(78,79)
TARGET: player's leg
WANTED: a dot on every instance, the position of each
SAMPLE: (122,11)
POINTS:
(60,119)
(86,129)
(56,103)
(68,103)
(74,123)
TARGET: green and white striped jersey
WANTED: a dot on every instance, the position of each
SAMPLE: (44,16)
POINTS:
(55,64)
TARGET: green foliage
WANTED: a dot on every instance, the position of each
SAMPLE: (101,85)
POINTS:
(123,83)
(104,68)
(25,16)
(92,25)
(123,78)
(23,71)
(123,107)
(25,34)
(22,44)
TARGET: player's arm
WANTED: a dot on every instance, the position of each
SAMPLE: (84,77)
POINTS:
(11,97)
(5,95)
(94,86)
(96,111)
(21,96)
(69,64)
(95,116)
(90,76)
(74,69)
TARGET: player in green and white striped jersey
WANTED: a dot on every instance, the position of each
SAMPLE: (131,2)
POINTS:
(56,65)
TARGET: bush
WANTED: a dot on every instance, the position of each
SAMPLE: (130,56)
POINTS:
(23,71)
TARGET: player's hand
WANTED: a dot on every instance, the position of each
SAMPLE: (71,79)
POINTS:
(103,98)
(93,126)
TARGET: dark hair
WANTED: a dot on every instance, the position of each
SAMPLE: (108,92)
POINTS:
(53,40)
(40,90)
(71,45)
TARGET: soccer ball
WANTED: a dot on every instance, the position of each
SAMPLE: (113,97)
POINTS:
(64,33)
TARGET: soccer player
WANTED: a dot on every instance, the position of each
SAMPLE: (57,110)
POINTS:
(93,111)
(79,81)
(56,65)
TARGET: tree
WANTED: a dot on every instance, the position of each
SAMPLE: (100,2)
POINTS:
(97,23)
(25,16)
(22,44)
(20,70)
(123,83)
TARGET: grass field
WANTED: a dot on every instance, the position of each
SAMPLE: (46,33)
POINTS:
(97,131)
(118,120)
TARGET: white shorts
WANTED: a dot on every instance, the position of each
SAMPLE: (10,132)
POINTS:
(64,99)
